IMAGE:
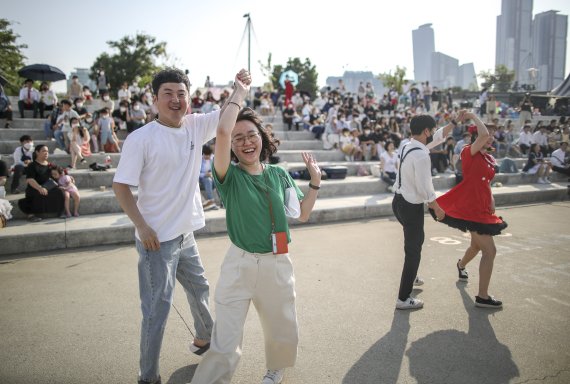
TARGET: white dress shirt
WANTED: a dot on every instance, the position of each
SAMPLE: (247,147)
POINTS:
(526,138)
(557,158)
(34,94)
(417,186)
(540,138)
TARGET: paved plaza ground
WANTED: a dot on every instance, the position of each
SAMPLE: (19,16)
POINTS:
(74,316)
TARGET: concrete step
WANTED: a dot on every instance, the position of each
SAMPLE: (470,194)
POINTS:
(63,159)
(14,134)
(22,237)
(302,145)
(294,135)
(27,122)
(8,146)
(321,155)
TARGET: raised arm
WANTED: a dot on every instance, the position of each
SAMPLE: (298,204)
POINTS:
(308,202)
(441,134)
(482,132)
(228,117)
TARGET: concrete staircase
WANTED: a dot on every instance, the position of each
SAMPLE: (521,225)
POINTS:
(102,221)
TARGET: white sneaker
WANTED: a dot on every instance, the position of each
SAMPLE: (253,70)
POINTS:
(273,376)
(410,303)
(541,181)
(418,281)
(434,172)
(547,180)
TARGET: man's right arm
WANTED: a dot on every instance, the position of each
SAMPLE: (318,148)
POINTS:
(127,202)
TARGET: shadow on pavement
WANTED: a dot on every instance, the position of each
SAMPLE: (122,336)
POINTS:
(451,356)
(382,362)
(183,375)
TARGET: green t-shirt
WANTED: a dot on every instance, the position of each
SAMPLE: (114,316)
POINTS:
(247,208)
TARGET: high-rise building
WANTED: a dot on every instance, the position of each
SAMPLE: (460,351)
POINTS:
(423,41)
(466,78)
(514,38)
(443,70)
(548,50)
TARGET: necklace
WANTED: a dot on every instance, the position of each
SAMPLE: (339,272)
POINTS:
(167,125)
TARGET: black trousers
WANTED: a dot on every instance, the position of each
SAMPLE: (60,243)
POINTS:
(411,216)
(563,170)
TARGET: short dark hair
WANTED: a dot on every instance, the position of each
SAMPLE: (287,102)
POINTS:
(206,150)
(421,122)
(169,75)
(66,101)
(25,138)
(268,144)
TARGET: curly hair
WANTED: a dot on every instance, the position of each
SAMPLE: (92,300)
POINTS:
(268,142)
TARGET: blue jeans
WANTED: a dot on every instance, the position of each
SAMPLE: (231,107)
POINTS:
(158,270)
(58,136)
(208,184)
(47,129)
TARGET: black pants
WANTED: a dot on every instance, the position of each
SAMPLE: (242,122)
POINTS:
(34,107)
(411,216)
(565,171)
(19,170)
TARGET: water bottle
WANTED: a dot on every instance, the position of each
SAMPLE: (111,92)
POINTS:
(108,162)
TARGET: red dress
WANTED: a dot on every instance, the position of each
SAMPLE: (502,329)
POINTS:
(467,206)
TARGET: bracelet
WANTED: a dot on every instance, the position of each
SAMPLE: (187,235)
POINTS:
(316,188)
(236,104)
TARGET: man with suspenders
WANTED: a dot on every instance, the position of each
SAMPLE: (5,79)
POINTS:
(414,187)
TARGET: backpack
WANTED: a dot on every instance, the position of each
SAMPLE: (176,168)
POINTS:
(508,166)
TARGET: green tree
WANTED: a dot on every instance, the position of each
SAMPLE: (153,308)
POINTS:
(11,56)
(135,57)
(499,81)
(307,72)
(395,80)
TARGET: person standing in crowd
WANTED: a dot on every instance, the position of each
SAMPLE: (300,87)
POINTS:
(414,187)
(470,206)
(525,110)
(427,96)
(254,192)
(75,90)
(102,83)
(166,214)
(29,98)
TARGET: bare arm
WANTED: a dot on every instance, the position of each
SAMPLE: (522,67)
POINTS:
(482,133)
(127,202)
(308,202)
(227,123)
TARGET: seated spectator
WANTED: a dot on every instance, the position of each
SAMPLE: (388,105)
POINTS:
(50,122)
(206,179)
(48,99)
(134,88)
(22,158)
(29,98)
(559,160)
(5,107)
(540,137)
(438,156)
(146,106)
(266,105)
(565,134)
(107,102)
(316,123)
(41,195)
(348,146)
(500,142)
(289,117)
(80,108)
(367,144)
(75,89)
(67,185)
(63,125)
(449,149)
(511,146)
(136,117)
(121,115)
(106,128)
(79,143)
(93,131)
(196,102)
(209,103)
(87,95)
(536,165)
(526,139)
(124,94)
(389,164)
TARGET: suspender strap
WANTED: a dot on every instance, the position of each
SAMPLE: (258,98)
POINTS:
(401,162)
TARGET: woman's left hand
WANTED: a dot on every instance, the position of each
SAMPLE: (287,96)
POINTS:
(313,168)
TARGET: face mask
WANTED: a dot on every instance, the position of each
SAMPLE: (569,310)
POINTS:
(366,132)
(123,109)
(429,139)
(90,120)
(104,116)
(27,146)
(106,98)
(79,105)
(75,125)
(136,107)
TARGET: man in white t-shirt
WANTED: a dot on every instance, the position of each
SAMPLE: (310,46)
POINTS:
(163,160)
(558,159)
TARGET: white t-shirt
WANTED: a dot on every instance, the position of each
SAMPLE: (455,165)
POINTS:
(389,161)
(165,164)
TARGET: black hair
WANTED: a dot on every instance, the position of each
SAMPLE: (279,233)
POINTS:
(66,101)
(387,143)
(268,144)
(169,75)
(25,138)
(421,122)
(206,150)
(36,150)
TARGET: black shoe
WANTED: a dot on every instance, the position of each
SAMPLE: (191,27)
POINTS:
(150,382)
(487,303)
(463,275)
(199,350)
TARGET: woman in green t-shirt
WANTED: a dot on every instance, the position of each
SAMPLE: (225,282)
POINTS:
(257,267)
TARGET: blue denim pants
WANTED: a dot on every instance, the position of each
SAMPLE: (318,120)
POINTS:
(176,259)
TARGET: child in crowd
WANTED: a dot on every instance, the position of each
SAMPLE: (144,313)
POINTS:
(67,185)
(347,145)
(106,129)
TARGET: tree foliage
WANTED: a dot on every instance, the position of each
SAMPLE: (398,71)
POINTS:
(499,81)
(307,72)
(395,80)
(11,56)
(134,57)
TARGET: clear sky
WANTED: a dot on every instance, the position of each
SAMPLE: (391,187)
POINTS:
(207,37)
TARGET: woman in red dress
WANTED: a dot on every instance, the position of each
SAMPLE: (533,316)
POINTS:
(470,206)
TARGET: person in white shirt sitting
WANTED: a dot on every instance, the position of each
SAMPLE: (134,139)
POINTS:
(540,137)
(525,139)
(559,161)
(29,98)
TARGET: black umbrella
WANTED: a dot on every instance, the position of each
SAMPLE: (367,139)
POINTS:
(42,72)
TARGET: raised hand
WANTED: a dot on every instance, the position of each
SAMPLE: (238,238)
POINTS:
(243,80)
(312,167)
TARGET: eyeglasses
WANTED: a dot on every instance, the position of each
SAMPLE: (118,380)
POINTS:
(252,137)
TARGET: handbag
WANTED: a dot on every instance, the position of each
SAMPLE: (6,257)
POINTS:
(291,204)
(50,184)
